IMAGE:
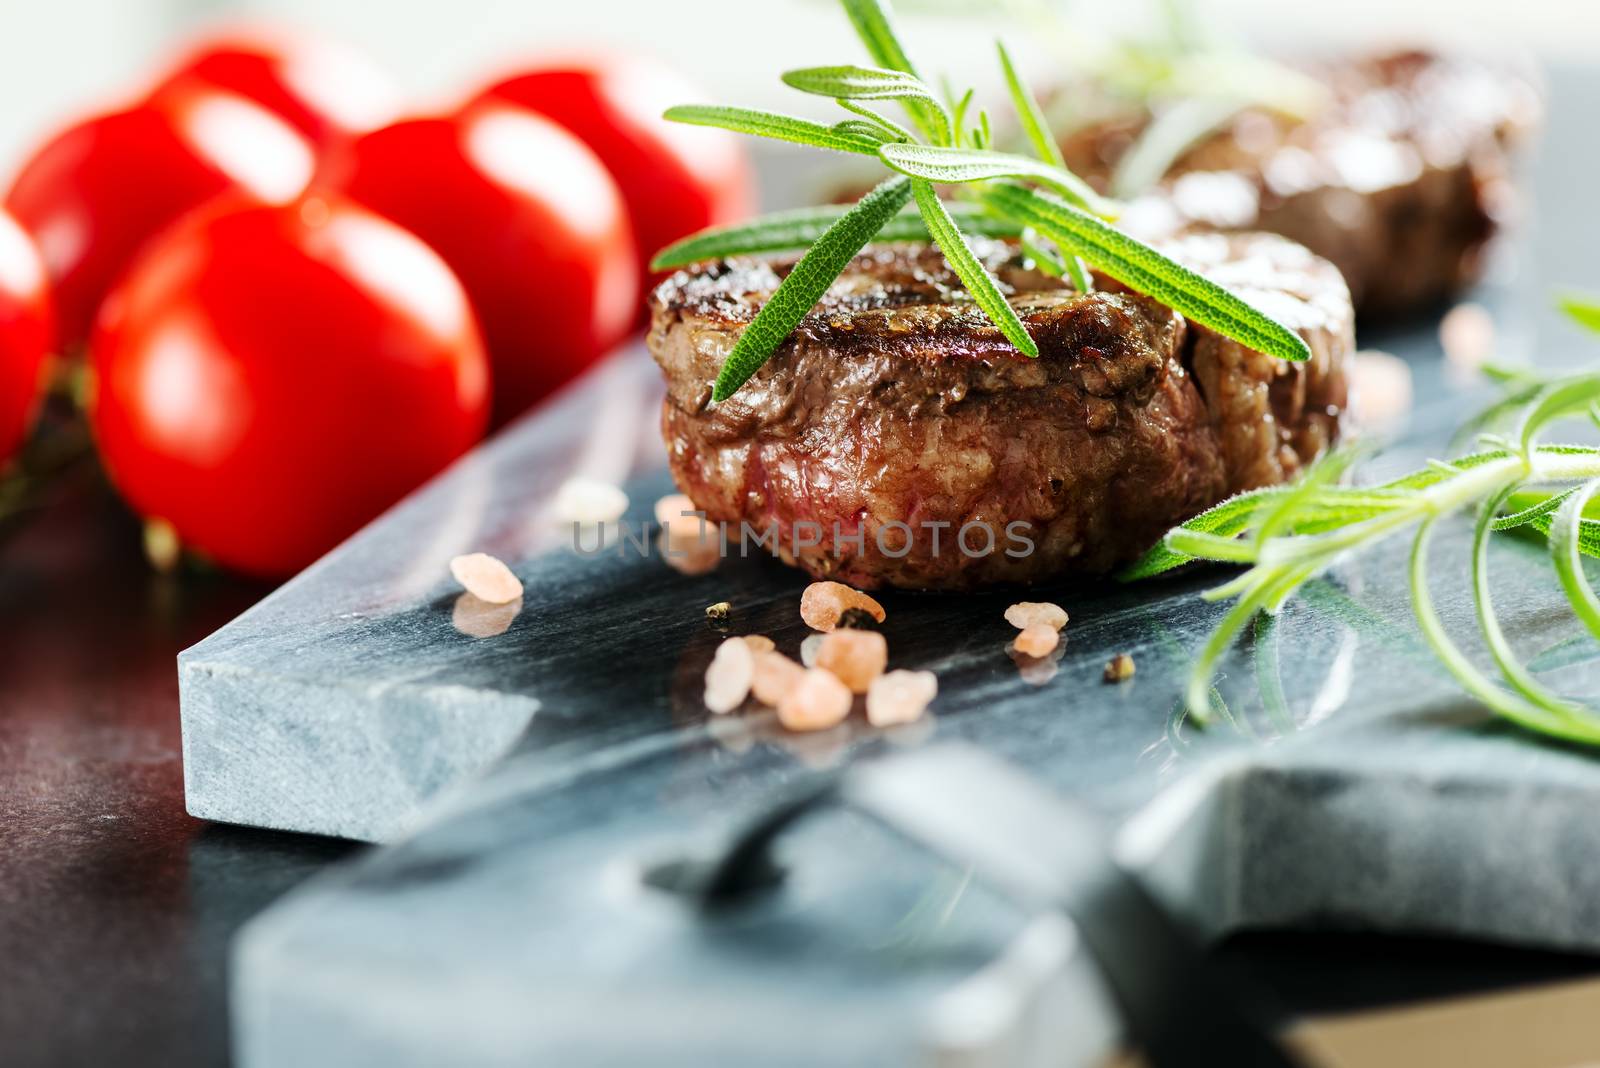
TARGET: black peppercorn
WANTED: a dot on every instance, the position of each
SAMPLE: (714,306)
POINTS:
(857,619)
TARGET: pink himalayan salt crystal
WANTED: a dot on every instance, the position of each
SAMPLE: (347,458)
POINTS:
(900,697)
(818,701)
(729,676)
(689,544)
(775,676)
(589,500)
(684,525)
(1467,335)
(1036,670)
(1037,639)
(824,602)
(690,533)
(1025,614)
(856,657)
(486,578)
(687,555)
(1380,385)
(477,618)
(759,643)
(671,508)
(809,647)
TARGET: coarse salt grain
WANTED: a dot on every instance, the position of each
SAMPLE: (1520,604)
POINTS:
(855,656)
(808,649)
(775,676)
(589,500)
(689,544)
(1036,670)
(699,559)
(729,676)
(1037,639)
(672,507)
(1380,385)
(759,643)
(1025,614)
(477,618)
(1467,335)
(689,533)
(486,578)
(824,602)
(900,697)
(815,703)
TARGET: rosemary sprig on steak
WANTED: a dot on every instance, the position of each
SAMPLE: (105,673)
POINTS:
(1062,221)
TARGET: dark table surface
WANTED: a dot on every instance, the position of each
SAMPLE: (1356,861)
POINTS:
(116,907)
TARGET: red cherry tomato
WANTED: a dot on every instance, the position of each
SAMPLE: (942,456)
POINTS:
(529,221)
(327,92)
(24,334)
(96,192)
(676,179)
(268,379)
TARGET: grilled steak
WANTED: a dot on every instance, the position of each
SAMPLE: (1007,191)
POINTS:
(896,414)
(1400,181)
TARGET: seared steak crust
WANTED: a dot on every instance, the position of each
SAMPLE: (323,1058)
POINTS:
(1400,181)
(897,402)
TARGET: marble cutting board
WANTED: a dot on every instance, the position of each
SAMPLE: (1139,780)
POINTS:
(529,769)
(529,775)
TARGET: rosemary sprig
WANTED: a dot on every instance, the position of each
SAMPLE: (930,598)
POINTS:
(808,280)
(1029,113)
(1582,310)
(1286,535)
(773,125)
(804,226)
(944,148)
(971,272)
(1037,129)
(1178,128)
(876,29)
(1140,267)
(866,83)
(958,166)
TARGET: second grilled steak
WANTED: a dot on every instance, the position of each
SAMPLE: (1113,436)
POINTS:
(897,414)
(1401,180)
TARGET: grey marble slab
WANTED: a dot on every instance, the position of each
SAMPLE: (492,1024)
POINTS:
(1355,786)
(518,919)
(1352,785)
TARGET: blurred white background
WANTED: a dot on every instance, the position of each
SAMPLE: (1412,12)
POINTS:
(60,56)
